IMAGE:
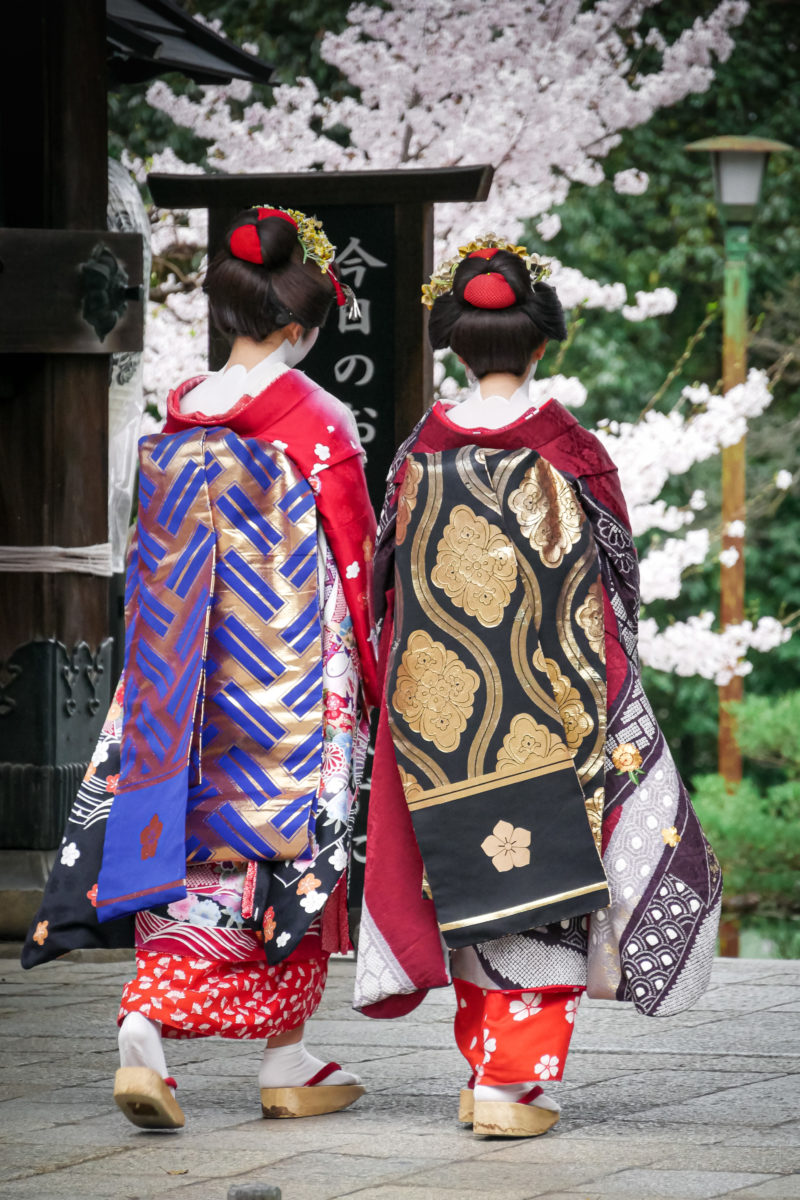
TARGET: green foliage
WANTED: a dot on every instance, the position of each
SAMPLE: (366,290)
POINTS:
(288,36)
(768,731)
(754,834)
(769,937)
(753,828)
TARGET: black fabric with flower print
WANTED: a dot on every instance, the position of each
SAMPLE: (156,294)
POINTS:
(496,689)
(67,918)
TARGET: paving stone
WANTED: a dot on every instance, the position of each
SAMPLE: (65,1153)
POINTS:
(786,1188)
(744,997)
(739,1157)
(636,1094)
(735,1067)
(675,1184)
(421,1191)
(777,1136)
(751,1104)
(622,1129)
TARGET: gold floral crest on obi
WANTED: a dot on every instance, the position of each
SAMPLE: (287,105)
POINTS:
(507,846)
(577,722)
(476,566)
(529,744)
(434,691)
(590,617)
(548,512)
(407,499)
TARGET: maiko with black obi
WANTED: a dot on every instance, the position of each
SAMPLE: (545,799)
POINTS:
(213,827)
(519,770)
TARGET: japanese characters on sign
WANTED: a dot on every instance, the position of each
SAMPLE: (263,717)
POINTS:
(354,359)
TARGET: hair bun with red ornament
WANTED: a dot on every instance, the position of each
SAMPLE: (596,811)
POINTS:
(265,237)
(491,308)
(489,290)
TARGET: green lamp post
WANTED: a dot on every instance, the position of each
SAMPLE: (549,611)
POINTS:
(738,165)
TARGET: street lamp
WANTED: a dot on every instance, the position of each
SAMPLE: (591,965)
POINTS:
(738,165)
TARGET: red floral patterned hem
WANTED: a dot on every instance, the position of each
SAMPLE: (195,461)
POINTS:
(193,997)
(514,1036)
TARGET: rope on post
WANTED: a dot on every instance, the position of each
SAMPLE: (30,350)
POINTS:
(85,560)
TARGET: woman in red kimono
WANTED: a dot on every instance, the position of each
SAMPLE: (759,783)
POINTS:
(525,813)
(229,758)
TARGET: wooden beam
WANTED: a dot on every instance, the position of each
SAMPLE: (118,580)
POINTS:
(305,189)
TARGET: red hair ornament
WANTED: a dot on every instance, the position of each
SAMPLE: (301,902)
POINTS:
(491,290)
(245,243)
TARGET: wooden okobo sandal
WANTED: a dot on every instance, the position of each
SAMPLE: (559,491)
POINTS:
(521,1118)
(313,1098)
(146,1100)
(466,1102)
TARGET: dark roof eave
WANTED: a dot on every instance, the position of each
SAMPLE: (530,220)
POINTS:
(137,50)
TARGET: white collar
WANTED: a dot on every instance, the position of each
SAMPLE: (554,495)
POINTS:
(222,390)
(477,411)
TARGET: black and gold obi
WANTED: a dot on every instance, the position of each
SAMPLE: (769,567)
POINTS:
(496,690)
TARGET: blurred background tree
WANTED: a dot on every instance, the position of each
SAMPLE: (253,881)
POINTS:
(753,828)
(671,236)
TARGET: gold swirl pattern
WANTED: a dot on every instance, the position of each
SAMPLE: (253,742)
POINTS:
(411,785)
(476,566)
(407,498)
(434,691)
(548,512)
(590,618)
(574,717)
(530,745)
(594,811)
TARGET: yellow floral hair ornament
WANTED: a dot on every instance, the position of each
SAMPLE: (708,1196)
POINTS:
(312,237)
(317,247)
(441,281)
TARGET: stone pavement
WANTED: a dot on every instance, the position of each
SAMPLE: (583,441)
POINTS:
(701,1105)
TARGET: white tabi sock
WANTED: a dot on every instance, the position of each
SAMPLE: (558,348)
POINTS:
(512,1093)
(140,1044)
(293,1066)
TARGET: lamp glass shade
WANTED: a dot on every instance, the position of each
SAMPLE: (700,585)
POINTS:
(738,177)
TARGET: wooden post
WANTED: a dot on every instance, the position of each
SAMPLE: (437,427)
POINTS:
(414,358)
(54,415)
(734,371)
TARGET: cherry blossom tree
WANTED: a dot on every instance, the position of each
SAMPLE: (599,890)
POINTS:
(543,90)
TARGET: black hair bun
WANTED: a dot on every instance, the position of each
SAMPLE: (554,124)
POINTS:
(258,282)
(544,309)
(504,338)
(504,263)
(265,241)
(278,237)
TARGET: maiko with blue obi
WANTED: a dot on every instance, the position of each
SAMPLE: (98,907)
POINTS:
(212,830)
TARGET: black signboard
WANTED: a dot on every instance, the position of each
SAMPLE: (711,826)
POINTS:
(354,359)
